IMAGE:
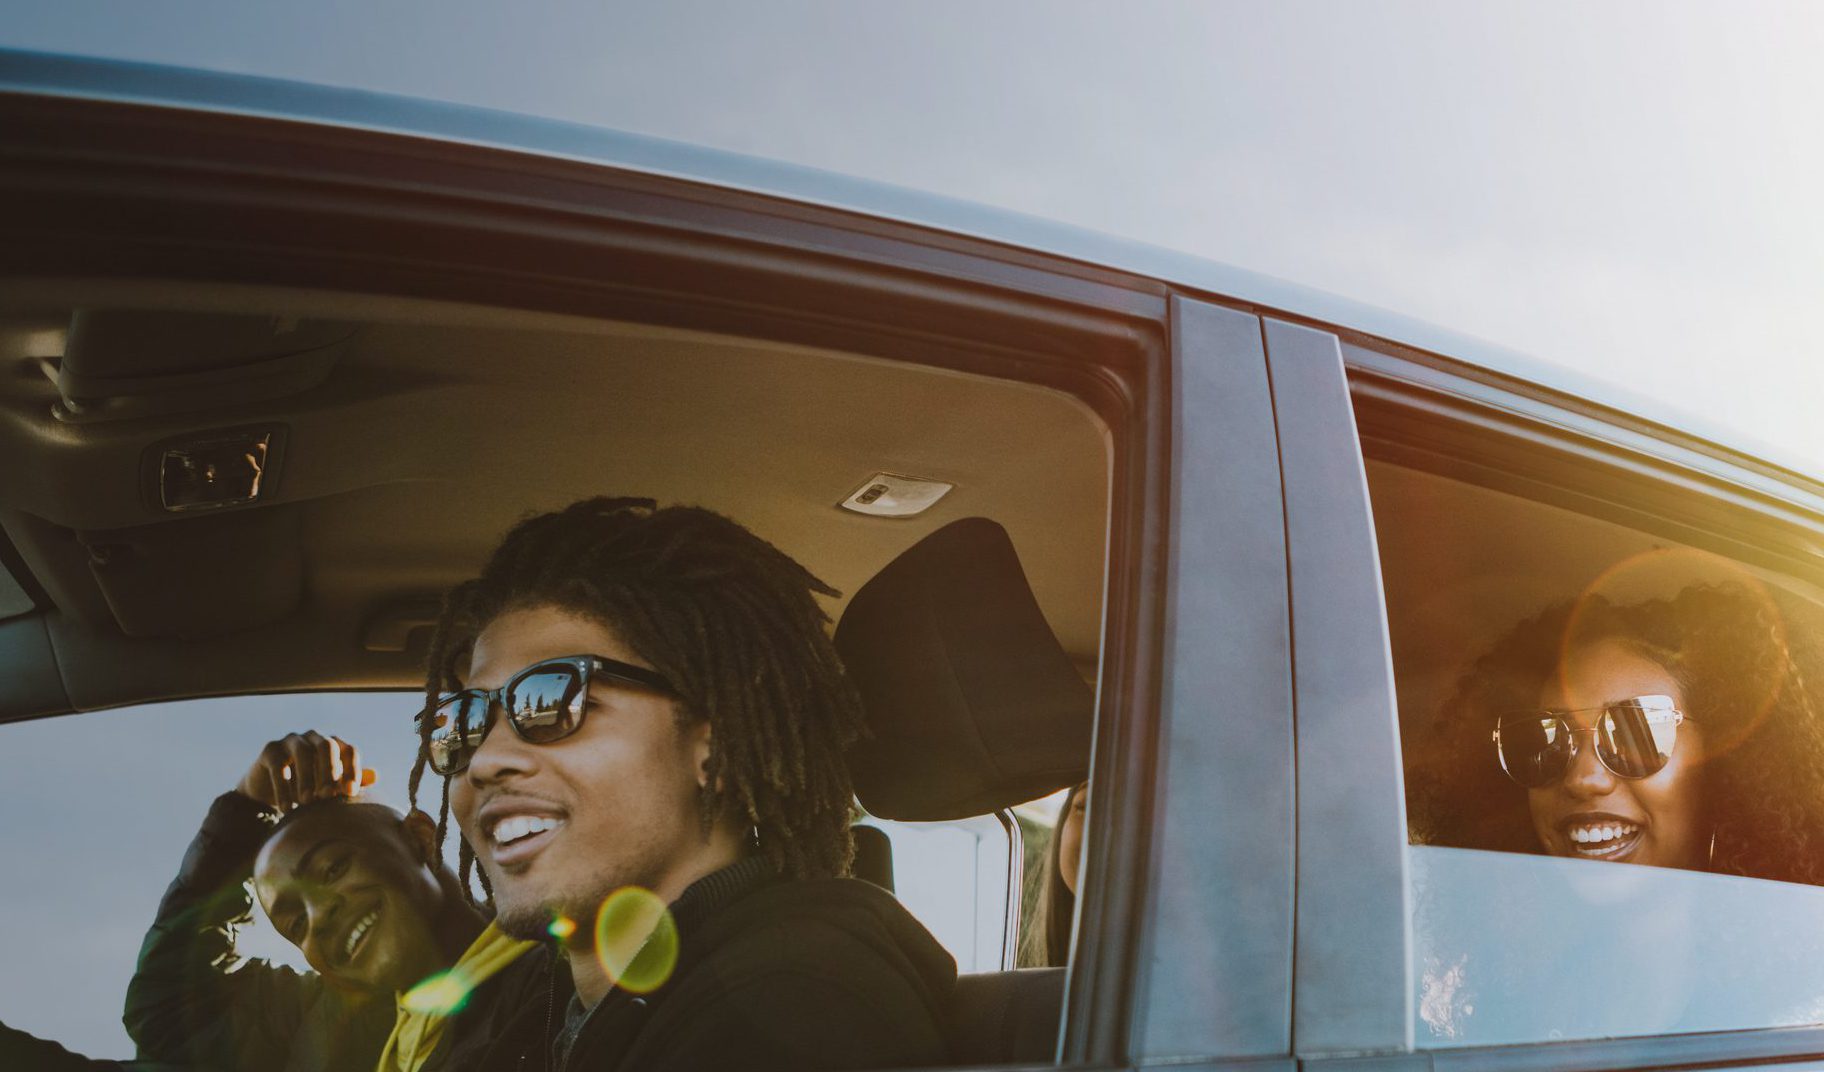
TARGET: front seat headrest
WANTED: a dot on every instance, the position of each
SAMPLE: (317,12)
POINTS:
(973,704)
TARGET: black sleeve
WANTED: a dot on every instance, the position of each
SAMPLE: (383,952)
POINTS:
(192,999)
(20,1050)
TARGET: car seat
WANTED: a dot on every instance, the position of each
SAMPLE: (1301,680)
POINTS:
(973,706)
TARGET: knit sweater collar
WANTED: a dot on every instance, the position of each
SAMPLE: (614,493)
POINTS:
(704,897)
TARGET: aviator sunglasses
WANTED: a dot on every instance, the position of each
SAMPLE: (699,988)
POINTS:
(543,703)
(1634,739)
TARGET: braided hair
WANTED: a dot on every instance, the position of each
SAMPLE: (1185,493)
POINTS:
(730,620)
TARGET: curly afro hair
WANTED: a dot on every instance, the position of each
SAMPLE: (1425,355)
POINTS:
(1744,658)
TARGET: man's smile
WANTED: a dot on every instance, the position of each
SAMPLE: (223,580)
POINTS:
(516,829)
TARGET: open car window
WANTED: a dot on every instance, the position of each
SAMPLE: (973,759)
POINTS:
(1612,744)
(411,439)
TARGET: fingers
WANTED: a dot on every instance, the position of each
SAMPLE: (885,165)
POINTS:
(262,781)
(309,765)
(301,767)
(345,768)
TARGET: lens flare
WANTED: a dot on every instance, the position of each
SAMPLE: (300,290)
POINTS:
(636,940)
(1666,572)
(562,928)
(443,994)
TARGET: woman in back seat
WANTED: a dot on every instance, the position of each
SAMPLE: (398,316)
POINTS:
(1675,732)
(1047,940)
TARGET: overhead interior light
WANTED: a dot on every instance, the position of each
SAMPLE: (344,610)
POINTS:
(887,495)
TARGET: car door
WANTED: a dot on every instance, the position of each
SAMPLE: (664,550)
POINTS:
(1444,920)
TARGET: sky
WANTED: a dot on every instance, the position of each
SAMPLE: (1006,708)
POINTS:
(1627,191)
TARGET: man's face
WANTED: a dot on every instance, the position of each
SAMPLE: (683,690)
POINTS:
(349,886)
(614,804)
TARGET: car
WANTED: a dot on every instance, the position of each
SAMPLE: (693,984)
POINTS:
(283,361)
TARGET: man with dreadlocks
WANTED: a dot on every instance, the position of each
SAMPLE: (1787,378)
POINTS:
(641,721)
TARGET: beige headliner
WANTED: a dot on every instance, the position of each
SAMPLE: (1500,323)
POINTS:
(444,424)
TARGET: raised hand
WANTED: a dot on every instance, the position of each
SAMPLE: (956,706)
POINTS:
(301,767)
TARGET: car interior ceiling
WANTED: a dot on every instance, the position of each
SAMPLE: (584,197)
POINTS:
(406,436)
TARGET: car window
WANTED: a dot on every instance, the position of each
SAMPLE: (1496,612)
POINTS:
(953,876)
(843,462)
(101,806)
(1612,753)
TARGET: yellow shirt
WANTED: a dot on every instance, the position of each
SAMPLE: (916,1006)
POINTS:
(425,1009)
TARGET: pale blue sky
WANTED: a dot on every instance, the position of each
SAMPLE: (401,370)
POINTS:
(100,807)
(1627,189)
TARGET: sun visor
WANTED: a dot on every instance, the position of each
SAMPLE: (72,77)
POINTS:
(201,576)
(972,702)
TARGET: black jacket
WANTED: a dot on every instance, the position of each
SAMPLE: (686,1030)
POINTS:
(24,1052)
(194,1001)
(771,974)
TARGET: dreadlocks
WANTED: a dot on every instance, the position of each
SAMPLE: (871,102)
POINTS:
(730,620)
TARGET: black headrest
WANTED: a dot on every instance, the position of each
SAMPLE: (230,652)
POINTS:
(873,856)
(972,702)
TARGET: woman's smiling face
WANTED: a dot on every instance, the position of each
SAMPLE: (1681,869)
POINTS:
(1591,812)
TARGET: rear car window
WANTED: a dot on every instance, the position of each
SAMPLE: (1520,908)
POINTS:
(1614,769)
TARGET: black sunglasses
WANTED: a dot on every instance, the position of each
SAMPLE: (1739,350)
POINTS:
(544,703)
(1634,739)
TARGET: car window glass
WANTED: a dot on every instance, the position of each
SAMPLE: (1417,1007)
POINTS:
(953,877)
(1612,757)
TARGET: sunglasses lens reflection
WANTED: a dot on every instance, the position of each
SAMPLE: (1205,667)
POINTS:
(547,703)
(1534,751)
(1635,741)
(458,726)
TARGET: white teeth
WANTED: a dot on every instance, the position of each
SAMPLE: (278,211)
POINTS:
(359,929)
(515,827)
(1601,833)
